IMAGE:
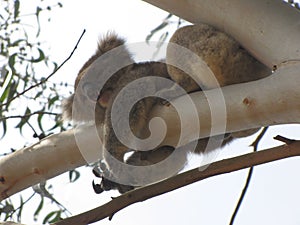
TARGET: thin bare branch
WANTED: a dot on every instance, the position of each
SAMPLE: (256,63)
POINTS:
(28,115)
(183,179)
(48,77)
(284,139)
(249,176)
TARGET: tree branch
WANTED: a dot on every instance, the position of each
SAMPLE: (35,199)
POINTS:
(48,158)
(249,176)
(183,179)
(28,115)
(255,104)
(248,105)
(262,34)
(284,139)
(47,78)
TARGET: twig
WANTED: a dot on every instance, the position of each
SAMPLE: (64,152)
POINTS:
(48,77)
(249,176)
(21,205)
(284,139)
(258,139)
(28,115)
(181,180)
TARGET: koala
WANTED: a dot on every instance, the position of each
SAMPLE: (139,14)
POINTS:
(88,95)
(94,102)
(229,62)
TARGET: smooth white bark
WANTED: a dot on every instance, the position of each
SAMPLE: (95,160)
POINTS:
(270,30)
(270,101)
(48,158)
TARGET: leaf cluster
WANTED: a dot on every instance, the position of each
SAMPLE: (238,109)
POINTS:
(24,63)
(28,98)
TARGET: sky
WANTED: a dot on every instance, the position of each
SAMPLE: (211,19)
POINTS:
(273,196)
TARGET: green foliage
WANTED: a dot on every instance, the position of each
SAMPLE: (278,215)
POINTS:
(52,217)
(29,99)
(73,175)
(6,208)
(22,56)
(38,209)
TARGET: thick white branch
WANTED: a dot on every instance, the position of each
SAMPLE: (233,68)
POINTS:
(273,100)
(270,101)
(270,30)
(48,158)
